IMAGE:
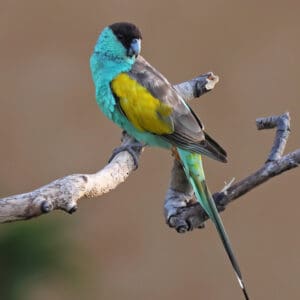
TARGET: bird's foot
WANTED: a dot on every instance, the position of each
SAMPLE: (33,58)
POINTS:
(132,148)
(177,212)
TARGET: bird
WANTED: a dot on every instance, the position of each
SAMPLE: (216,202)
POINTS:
(140,100)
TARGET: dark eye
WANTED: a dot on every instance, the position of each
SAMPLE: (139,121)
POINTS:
(120,36)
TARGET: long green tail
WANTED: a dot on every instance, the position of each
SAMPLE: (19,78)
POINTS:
(192,163)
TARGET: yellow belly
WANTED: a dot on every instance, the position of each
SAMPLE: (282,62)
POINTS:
(144,111)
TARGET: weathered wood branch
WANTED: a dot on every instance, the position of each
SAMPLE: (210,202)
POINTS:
(64,193)
(184,214)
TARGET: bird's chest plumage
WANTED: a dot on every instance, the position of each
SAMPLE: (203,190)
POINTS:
(108,105)
(103,75)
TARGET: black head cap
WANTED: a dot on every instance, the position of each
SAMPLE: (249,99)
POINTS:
(125,32)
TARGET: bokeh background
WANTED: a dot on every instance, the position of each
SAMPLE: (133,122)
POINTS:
(118,246)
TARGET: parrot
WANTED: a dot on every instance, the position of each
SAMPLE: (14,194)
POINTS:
(140,100)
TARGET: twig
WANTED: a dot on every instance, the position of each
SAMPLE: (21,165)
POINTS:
(64,193)
(198,86)
(282,123)
(184,216)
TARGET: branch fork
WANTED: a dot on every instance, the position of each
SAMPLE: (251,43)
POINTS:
(187,217)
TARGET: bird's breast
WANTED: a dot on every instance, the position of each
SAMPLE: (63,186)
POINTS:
(143,110)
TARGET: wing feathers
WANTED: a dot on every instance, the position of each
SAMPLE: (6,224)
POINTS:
(179,126)
(206,147)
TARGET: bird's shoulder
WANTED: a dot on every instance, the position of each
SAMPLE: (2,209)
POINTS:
(151,79)
(157,84)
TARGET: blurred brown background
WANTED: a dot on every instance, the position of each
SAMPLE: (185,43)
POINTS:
(119,245)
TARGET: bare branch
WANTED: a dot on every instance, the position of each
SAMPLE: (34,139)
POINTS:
(198,86)
(282,123)
(64,193)
(184,214)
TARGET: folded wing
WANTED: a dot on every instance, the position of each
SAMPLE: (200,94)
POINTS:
(152,104)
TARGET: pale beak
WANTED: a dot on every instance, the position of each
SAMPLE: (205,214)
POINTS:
(135,48)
